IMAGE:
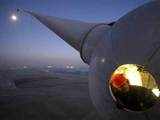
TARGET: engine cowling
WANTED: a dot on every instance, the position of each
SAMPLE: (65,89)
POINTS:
(134,41)
(121,58)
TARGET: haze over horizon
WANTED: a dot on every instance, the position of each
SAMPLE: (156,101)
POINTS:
(27,41)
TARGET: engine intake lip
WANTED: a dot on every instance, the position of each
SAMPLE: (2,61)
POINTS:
(133,88)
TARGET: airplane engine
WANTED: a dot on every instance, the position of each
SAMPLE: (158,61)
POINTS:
(124,67)
(124,60)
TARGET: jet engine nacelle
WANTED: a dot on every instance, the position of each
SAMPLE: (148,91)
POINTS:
(124,60)
(133,40)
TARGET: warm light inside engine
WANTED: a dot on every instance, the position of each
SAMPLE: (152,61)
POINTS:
(133,87)
(130,71)
(156,92)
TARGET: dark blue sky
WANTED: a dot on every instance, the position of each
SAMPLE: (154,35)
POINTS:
(29,42)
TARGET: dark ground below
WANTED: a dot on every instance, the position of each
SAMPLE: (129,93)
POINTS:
(58,97)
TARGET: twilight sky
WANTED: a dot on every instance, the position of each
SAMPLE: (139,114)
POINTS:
(26,41)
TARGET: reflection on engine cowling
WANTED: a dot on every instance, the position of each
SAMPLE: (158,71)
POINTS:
(133,88)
